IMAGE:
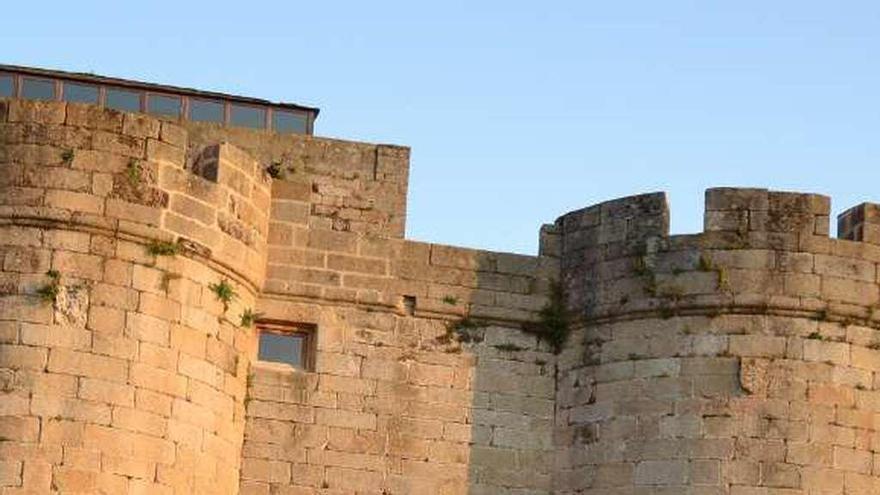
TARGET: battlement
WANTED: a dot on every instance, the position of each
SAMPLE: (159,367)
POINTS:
(618,257)
(126,173)
(736,210)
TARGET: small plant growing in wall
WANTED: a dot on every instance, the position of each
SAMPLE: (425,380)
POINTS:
(133,172)
(163,248)
(275,170)
(249,317)
(224,292)
(466,330)
(706,263)
(49,292)
(723,279)
(640,266)
(450,300)
(508,347)
(67,156)
(553,325)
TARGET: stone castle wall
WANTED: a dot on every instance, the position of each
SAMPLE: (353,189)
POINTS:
(326,184)
(737,361)
(132,380)
(404,400)
(741,360)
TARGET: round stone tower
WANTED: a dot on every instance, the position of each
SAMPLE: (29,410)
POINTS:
(129,270)
(742,360)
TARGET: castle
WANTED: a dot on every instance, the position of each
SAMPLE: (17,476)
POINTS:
(197,295)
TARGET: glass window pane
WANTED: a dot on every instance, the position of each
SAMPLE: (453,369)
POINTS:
(5,85)
(288,122)
(247,116)
(81,93)
(164,105)
(120,99)
(38,89)
(281,348)
(205,111)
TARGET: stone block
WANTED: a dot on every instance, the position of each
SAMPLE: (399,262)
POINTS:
(140,126)
(661,473)
(93,117)
(42,112)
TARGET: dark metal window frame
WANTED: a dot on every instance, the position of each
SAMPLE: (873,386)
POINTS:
(306,331)
(144,90)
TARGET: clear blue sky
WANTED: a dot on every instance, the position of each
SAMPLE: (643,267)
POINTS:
(520,111)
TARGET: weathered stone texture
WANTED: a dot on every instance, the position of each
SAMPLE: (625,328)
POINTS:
(99,394)
(741,360)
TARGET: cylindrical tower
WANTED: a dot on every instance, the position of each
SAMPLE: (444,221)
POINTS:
(129,271)
(741,360)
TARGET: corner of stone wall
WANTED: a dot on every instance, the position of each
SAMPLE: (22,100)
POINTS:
(860,223)
(590,235)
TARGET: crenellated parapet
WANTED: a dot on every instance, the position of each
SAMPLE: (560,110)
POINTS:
(332,184)
(735,360)
(759,248)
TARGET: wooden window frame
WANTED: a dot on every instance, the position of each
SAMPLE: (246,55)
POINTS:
(303,115)
(62,90)
(142,99)
(180,111)
(307,331)
(14,78)
(55,87)
(266,111)
(145,91)
(224,111)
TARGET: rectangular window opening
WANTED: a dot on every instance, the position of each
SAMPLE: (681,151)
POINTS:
(287,343)
(80,93)
(205,110)
(248,116)
(7,89)
(37,89)
(168,106)
(289,122)
(121,99)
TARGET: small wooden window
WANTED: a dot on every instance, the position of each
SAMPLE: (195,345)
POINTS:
(287,343)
